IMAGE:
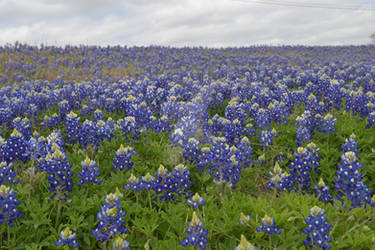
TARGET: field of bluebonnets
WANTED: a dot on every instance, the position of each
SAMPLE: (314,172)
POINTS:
(171,148)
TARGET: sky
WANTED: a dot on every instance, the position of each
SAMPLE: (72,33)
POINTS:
(211,23)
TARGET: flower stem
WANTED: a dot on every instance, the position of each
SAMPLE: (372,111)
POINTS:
(59,206)
(149,199)
(8,235)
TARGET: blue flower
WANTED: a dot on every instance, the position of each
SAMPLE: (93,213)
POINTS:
(89,172)
(72,127)
(7,174)
(268,225)
(67,238)
(8,206)
(317,229)
(23,126)
(60,175)
(98,115)
(191,150)
(134,183)
(15,148)
(328,124)
(110,218)
(123,158)
(322,192)
(301,167)
(196,234)
(196,201)
(349,181)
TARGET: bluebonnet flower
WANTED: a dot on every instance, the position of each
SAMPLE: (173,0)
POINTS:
(104,130)
(134,183)
(50,122)
(65,108)
(191,150)
(67,237)
(301,167)
(322,192)
(350,144)
(169,184)
(98,115)
(15,148)
(92,134)
(179,180)
(244,219)
(185,129)
(89,172)
(119,243)
(204,159)
(223,163)
(86,110)
(262,118)
(303,135)
(110,218)
(268,225)
(349,181)
(54,120)
(7,174)
(281,180)
(147,182)
(123,158)
(59,174)
(328,124)
(178,137)
(197,235)
(265,138)
(231,130)
(23,126)
(370,120)
(196,201)
(56,138)
(243,152)
(245,245)
(72,127)
(314,156)
(8,206)
(317,229)
(261,159)
(128,126)
(5,115)
(276,176)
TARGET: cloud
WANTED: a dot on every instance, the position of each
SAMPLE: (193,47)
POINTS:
(180,23)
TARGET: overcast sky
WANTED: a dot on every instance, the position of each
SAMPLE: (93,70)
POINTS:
(184,22)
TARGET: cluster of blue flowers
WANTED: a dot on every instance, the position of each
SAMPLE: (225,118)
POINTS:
(209,102)
(15,148)
(67,237)
(306,160)
(269,226)
(317,229)
(349,181)
(89,172)
(7,174)
(59,174)
(8,206)
(110,217)
(166,185)
(197,235)
(123,158)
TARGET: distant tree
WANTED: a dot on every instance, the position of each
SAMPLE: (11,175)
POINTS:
(373,38)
